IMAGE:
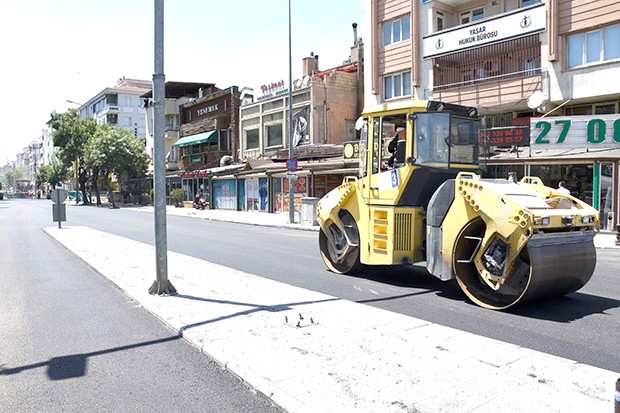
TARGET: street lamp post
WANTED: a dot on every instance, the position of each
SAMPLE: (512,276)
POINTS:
(161,285)
(75,168)
(291,189)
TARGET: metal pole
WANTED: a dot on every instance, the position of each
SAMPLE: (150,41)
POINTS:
(291,190)
(161,285)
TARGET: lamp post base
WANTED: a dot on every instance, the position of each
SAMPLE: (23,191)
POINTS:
(162,288)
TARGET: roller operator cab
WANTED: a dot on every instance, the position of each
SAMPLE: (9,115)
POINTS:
(418,198)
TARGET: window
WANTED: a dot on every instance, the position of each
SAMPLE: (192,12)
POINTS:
(608,109)
(525,3)
(128,101)
(595,46)
(252,139)
(224,140)
(274,135)
(396,30)
(598,109)
(471,15)
(397,85)
(439,21)
(611,49)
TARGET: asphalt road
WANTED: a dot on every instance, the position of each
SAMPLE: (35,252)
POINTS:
(583,326)
(72,342)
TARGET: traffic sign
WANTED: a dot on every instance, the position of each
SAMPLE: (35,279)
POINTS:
(58,196)
(291,164)
(292,175)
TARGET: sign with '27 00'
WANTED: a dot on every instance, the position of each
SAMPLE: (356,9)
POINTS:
(600,131)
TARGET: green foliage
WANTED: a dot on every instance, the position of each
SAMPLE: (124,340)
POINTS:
(9,176)
(177,194)
(152,194)
(42,175)
(71,134)
(115,150)
(58,172)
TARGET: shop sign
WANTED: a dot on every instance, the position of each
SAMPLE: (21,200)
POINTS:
(600,131)
(351,150)
(273,88)
(519,23)
(209,109)
(194,159)
(509,136)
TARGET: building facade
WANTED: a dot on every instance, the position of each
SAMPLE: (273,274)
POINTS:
(541,74)
(177,94)
(119,105)
(209,137)
(324,106)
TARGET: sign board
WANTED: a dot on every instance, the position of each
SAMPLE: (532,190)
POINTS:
(519,23)
(512,135)
(554,132)
(292,175)
(58,196)
(351,150)
(59,213)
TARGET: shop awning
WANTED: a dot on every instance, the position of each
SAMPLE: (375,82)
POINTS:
(210,136)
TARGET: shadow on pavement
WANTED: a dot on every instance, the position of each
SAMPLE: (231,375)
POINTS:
(254,309)
(75,365)
(566,308)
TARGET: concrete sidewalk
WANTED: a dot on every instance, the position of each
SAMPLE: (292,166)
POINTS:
(312,353)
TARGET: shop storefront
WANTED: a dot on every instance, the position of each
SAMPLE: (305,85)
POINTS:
(264,186)
(582,151)
(195,183)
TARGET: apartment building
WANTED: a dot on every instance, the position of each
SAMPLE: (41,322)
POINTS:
(120,105)
(177,94)
(541,73)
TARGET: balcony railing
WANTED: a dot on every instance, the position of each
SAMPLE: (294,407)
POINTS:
(507,60)
(111,109)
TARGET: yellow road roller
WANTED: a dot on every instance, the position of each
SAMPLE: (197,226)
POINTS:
(418,198)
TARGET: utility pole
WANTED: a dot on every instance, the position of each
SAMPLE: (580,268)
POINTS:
(291,189)
(161,285)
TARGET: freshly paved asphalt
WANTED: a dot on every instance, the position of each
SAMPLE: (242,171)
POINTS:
(311,352)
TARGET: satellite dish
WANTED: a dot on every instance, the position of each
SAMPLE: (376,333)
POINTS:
(359,123)
(535,100)
(297,83)
(305,80)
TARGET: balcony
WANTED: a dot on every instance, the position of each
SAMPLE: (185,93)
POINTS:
(495,91)
(491,75)
(110,109)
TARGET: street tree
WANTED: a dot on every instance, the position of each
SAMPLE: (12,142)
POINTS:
(115,151)
(71,134)
(42,176)
(10,176)
(58,171)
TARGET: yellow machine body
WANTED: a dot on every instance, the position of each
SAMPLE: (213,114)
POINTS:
(505,242)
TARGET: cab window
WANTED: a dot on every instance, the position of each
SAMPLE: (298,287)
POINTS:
(390,134)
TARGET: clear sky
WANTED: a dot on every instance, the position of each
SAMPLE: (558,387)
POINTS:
(52,51)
